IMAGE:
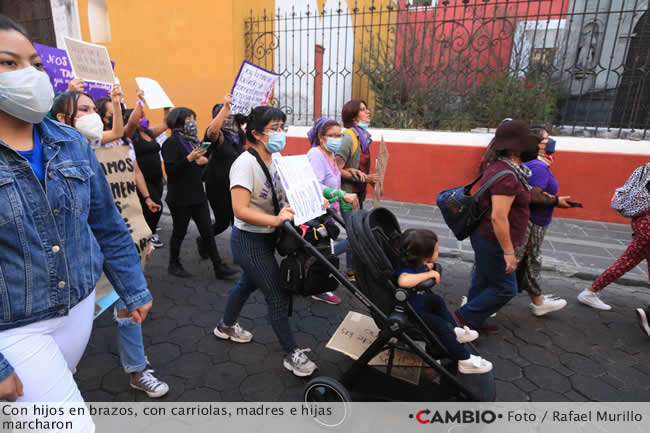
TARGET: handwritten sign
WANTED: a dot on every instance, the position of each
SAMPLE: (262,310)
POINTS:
(301,187)
(153,93)
(57,65)
(355,335)
(252,88)
(120,174)
(89,61)
(380,170)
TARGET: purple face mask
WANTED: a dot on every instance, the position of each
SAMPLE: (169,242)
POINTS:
(144,123)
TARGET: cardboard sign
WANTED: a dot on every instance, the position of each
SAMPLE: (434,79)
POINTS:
(301,187)
(253,87)
(89,61)
(57,65)
(380,170)
(119,171)
(153,93)
(357,332)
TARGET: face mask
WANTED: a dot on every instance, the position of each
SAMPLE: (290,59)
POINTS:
(26,94)
(333,144)
(109,125)
(144,123)
(276,143)
(363,125)
(529,155)
(91,126)
(550,146)
(190,128)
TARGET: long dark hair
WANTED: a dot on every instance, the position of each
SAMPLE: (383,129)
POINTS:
(416,245)
(492,155)
(65,102)
(258,118)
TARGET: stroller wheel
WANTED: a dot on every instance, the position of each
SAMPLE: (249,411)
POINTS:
(327,401)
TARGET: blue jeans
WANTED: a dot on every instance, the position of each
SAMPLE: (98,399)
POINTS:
(491,287)
(129,342)
(255,254)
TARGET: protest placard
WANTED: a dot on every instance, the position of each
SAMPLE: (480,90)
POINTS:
(119,171)
(253,87)
(153,93)
(57,65)
(89,61)
(380,170)
(301,187)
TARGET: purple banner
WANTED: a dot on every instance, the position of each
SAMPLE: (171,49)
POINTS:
(57,65)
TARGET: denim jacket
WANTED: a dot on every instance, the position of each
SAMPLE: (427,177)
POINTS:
(55,241)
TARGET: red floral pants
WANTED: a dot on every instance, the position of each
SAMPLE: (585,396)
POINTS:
(638,250)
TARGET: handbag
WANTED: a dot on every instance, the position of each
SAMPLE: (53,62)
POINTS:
(460,208)
(633,199)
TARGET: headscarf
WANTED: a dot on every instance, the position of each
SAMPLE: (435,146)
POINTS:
(314,131)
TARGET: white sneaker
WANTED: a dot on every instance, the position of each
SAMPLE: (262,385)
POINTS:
(463,301)
(592,299)
(643,319)
(549,304)
(298,363)
(474,365)
(465,335)
(235,333)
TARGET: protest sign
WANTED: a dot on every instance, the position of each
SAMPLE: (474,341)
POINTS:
(57,65)
(153,93)
(301,187)
(252,88)
(357,332)
(380,170)
(89,61)
(120,174)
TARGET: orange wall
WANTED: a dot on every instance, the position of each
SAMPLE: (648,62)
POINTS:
(417,172)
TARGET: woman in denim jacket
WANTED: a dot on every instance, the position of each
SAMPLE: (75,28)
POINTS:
(59,228)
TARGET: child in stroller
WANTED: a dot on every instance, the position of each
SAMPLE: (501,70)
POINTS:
(418,254)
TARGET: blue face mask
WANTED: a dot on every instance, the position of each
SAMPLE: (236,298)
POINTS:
(550,146)
(363,125)
(276,143)
(333,144)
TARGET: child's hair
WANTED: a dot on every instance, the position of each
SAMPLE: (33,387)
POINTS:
(417,245)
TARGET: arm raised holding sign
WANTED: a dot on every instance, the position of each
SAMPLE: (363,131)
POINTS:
(118,122)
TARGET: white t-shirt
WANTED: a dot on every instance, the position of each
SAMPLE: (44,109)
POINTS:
(247,173)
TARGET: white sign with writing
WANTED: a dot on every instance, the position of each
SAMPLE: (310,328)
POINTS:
(153,93)
(253,87)
(301,187)
(89,61)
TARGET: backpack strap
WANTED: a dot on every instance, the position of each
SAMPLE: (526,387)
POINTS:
(265,169)
(489,183)
(355,139)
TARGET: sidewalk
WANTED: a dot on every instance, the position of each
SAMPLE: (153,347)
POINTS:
(577,354)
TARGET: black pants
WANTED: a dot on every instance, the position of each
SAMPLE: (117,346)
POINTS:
(223,216)
(181,216)
(155,188)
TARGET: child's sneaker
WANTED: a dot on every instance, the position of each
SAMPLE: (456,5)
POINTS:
(465,335)
(474,365)
(298,363)
(328,297)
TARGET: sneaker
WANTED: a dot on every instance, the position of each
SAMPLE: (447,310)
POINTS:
(235,333)
(351,276)
(488,328)
(463,301)
(592,299)
(177,270)
(474,365)
(328,297)
(155,241)
(149,384)
(298,363)
(642,314)
(465,335)
(550,303)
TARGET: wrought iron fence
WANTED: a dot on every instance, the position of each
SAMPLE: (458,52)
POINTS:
(579,65)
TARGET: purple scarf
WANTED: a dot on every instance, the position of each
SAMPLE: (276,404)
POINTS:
(313,132)
(188,146)
(364,138)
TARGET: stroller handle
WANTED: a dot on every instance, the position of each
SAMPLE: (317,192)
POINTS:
(336,217)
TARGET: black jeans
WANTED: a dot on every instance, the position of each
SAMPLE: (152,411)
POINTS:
(155,188)
(181,216)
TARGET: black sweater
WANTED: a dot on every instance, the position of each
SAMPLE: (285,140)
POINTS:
(184,178)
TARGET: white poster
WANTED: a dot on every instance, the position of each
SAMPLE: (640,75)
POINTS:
(89,61)
(153,93)
(65,17)
(301,187)
(253,87)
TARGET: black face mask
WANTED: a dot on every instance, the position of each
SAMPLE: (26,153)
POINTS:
(529,155)
(109,124)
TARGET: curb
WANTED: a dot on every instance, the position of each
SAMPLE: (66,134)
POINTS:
(581,274)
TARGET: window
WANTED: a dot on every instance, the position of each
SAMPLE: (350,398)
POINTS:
(98,22)
(542,57)
(534,45)
(421,3)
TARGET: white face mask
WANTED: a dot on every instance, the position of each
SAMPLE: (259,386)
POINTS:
(26,94)
(91,126)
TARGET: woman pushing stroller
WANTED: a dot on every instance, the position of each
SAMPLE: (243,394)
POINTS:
(418,254)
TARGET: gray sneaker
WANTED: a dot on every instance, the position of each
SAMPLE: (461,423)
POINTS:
(298,363)
(149,384)
(235,333)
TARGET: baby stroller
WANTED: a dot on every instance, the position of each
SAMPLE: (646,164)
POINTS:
(374,238)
